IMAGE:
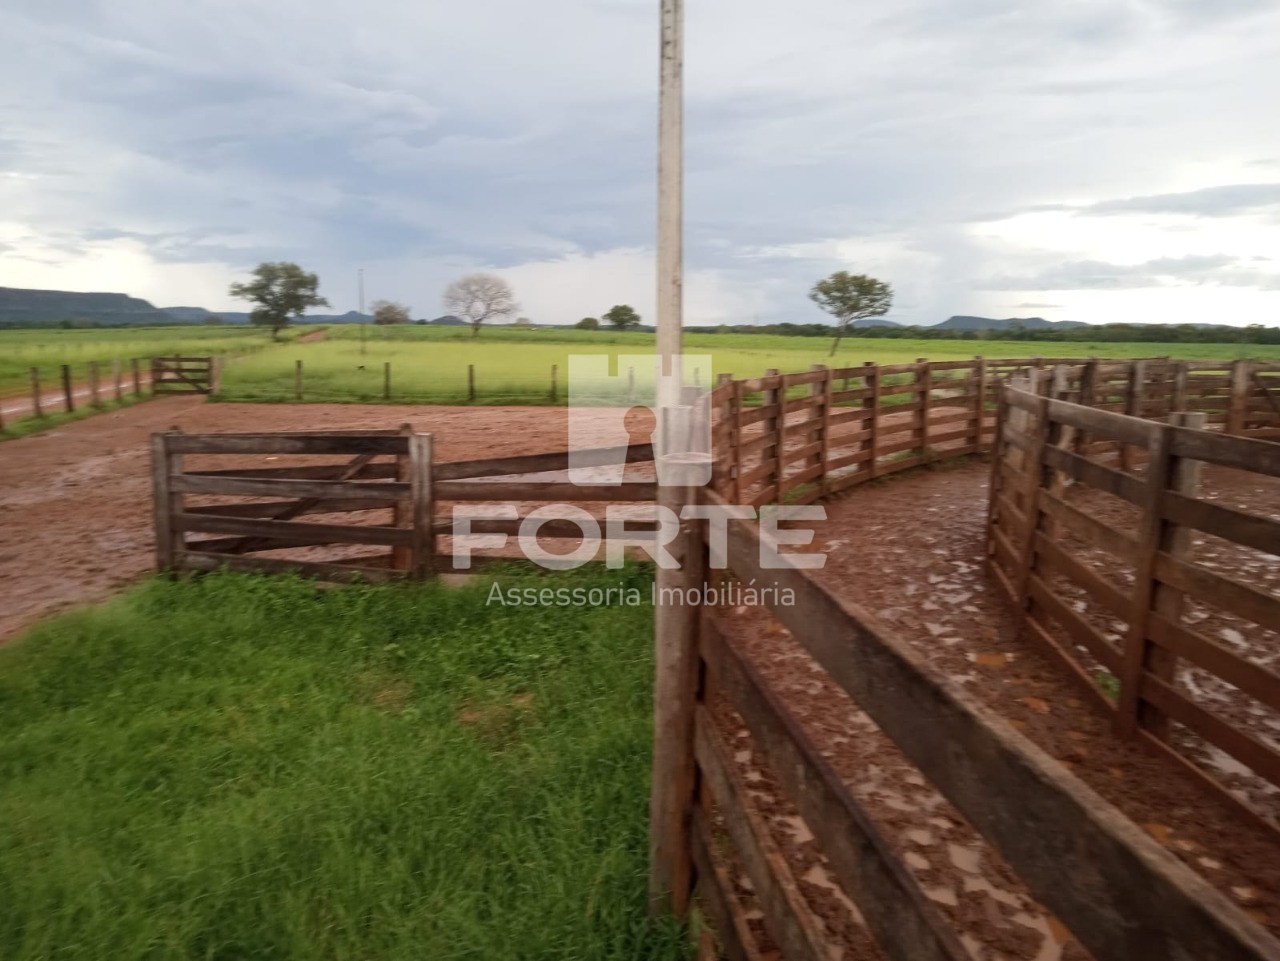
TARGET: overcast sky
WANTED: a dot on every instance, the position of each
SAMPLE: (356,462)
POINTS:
(1100,160)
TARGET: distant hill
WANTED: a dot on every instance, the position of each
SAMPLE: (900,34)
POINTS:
(22,306)
(875,322)
(963,322)
(448,320)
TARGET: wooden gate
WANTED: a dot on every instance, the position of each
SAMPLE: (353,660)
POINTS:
(183,375)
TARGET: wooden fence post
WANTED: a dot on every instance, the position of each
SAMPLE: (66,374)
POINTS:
(36,408)
(297,380)
(824,455)
(924,390)
(424,536)
(555,392)
(117,374)
(1132,405)
(165,503)
(631,385)
(673,782)
(1156,535)
(739,415)
(471,382)
(871,405)
(993,486)
(772,428)
(1178,402)
(94,398)
(215,373)
(67,394)
(1043,433)
(137,376)
(780,447)
(1237,411)
(386,380)
(979,400)
(402,512)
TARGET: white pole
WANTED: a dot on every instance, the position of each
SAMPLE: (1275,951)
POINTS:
(671,194)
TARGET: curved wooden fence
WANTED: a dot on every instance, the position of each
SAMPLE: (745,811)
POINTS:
(1037,527)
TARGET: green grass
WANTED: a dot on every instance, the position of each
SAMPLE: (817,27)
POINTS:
(429,364)
(20,350)
(238,767)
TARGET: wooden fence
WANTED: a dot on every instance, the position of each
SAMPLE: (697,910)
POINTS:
(1035,520)
(795,438)
(387,492)
(184,375)
(1117,890)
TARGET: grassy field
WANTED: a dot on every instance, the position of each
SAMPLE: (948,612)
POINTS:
(238,767)
(429,365)
(20,350)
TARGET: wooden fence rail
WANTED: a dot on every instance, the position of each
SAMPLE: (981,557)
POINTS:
(797,437)
(1070,605)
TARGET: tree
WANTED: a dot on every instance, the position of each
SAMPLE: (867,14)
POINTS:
(390,312)
(848,297)
(622,317)
(479,297)
(588,323)
(282,291)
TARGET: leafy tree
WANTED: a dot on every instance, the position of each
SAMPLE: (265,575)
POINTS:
(282,291)
(848,297)
(390,312)
(622,317)
(588,323)
(479,297)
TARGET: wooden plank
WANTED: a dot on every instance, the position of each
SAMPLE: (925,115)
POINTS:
(1253,679)
(1057,560)
(900,917)
(1128,897)
(310,489)
(788,918)
(269,510)
(716,894)
(1079,629)
(1258,606)
(1242,453)
(1122,485)
(289,511)
(376,471)
(349,444)
(553,528)
(550,491)
(200,561)
(1244,747)
(1089,529)
(540,463)
(288,531)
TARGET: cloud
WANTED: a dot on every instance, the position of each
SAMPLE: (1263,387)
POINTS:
(1222,201)
(1218,269)
(180,144)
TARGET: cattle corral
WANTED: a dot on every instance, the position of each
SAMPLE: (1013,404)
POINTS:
(800,437)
